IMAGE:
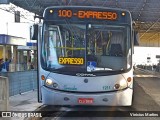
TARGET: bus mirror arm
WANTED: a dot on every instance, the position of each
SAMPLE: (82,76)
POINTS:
(37,16)
(133,23)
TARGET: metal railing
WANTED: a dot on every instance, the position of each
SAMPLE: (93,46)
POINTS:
(4,93)
(21,81)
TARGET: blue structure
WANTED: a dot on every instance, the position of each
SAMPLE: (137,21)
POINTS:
(11,40)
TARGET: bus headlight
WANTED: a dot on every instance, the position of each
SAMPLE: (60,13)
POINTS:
(49,82)
(121,85)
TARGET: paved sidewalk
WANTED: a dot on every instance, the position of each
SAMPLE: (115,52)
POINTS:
(24,102)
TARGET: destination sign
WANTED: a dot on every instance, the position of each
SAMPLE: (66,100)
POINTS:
(77,14)
(83,14)
(70,61)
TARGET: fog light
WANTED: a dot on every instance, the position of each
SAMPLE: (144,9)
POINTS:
(55,85)
(116,86)
(49,82)
(105,99)
(66,98)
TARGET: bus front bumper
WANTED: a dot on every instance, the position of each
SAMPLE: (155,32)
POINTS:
(118,98)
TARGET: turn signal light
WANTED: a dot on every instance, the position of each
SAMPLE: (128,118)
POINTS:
(42,77)
(129,79)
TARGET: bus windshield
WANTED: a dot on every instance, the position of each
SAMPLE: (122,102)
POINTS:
(72,47)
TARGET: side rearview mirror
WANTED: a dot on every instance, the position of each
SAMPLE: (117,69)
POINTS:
(34,32)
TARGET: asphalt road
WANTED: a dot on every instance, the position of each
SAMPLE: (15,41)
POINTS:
(146,100)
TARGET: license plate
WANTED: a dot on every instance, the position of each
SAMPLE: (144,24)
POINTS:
(85,100)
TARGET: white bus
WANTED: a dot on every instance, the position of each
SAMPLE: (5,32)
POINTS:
(85,56)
